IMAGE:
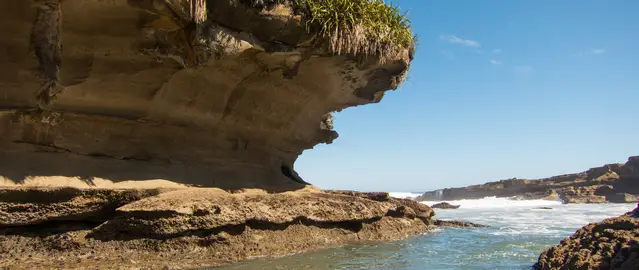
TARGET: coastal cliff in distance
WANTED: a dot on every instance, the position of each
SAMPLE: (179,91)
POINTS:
(617,183)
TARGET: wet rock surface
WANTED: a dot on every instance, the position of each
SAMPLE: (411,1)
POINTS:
(615,183)
(193,227)
(610,244)
(458,223)
(444,205)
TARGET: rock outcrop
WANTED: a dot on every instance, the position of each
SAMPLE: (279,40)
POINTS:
(188,228)
(617,183)
(163,133)
(444,205)
(457,223)
(98,92)
(610,244)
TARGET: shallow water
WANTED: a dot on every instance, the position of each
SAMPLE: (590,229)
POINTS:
(518,234)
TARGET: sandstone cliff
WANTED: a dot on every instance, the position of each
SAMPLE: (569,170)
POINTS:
(224,93)
(618,183)
(163,133)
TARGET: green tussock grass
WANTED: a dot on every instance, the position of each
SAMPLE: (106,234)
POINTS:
(369,27)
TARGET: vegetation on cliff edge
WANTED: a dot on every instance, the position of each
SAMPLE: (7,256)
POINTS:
(369,27)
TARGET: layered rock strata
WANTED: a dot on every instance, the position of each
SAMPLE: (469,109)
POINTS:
(113,112)
(616,183)
(187,228)
(99,92)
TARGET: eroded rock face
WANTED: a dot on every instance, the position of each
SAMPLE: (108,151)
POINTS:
(618,183)
(26,206)
(128,104)
(131,98)
(610,244)
(189,228)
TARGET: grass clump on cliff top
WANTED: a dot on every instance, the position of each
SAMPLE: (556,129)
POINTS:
(369,27)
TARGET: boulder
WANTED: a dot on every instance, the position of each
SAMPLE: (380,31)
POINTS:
(610,244)
(457,223)
(444,205)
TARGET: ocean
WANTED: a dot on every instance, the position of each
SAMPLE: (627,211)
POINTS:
(519,232)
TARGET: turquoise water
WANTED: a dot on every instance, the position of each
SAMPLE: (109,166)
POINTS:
(519,233)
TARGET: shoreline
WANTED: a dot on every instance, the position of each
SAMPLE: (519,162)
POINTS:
(194,228)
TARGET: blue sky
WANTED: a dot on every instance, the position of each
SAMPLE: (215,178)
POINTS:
(498,89)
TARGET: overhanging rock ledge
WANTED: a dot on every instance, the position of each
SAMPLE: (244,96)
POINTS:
(162,134)
(95,93)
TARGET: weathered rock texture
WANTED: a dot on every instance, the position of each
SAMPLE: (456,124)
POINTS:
(186,228)
(111,111)
(610,244)
(25,206)
(100,91)
(617,183)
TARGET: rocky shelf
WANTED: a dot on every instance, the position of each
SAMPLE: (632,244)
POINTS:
(186,228)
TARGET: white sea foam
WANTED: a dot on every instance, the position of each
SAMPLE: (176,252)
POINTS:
(511,217)
(404,195)
(494,202)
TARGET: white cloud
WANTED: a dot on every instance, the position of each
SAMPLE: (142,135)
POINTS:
(497,50)
(495,62)
(598,51)
(457,40)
